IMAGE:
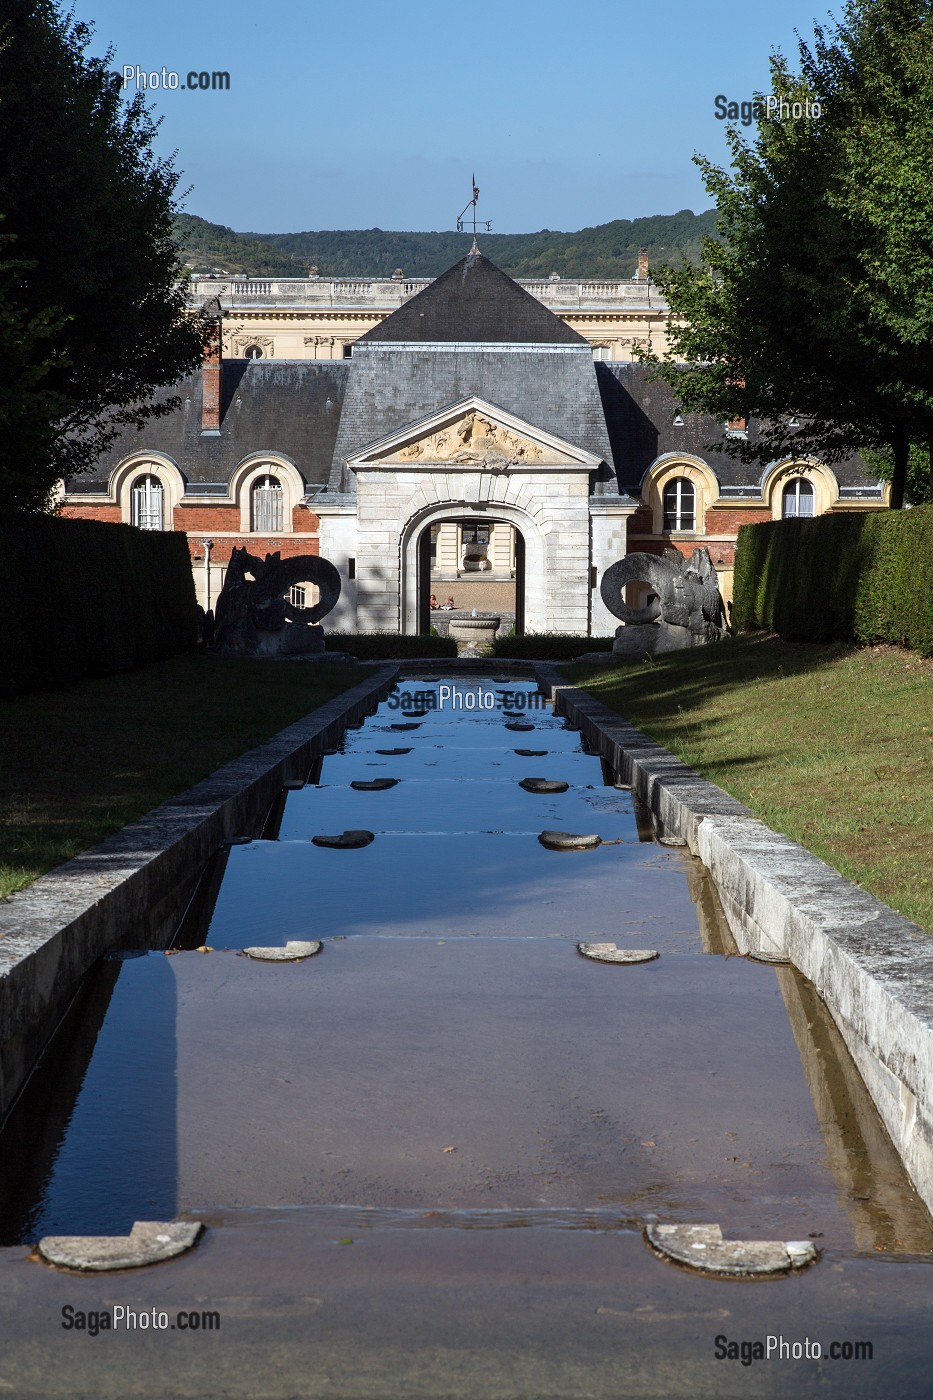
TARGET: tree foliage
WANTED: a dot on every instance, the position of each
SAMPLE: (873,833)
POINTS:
(90,297)
(814,313)
(606,250)
(918,490)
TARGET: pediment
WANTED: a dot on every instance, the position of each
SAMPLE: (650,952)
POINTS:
(472,434)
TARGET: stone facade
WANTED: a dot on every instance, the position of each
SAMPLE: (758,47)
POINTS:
(319,318)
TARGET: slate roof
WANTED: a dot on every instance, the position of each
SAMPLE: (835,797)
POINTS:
(474,301)
(289,407)
(640,423)
(319,412)
(392,386)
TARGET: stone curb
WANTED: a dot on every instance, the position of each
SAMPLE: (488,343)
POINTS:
(872,967)
(53,931)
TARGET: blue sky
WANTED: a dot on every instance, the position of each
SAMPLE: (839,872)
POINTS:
(363,114)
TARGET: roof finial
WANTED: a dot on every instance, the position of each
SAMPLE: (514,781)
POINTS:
(483,223)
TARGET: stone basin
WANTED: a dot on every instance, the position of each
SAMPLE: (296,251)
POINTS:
(475,630)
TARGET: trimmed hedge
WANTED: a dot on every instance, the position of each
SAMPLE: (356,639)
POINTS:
(863,577)
(84,598)
(548,646)
(388,646)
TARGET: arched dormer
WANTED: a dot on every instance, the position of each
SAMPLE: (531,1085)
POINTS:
(254,488)
(679,489)
(147,486)
(799,487)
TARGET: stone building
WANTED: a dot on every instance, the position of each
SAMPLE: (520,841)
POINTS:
(471,440)
(318,318)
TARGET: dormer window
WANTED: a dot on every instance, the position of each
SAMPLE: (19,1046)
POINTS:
(797,499)
(267,511)
(679,505)
(147,503)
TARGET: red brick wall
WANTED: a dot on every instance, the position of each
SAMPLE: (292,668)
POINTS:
(260,545)
(727,522)
(222,522)
(108,513)
(304,519)
(202,519)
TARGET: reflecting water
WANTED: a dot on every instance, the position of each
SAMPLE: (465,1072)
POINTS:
(449,1050)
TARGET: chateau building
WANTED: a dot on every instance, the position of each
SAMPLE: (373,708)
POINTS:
(472,442)
(317,318)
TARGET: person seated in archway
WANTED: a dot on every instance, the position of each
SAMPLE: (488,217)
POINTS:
(449,605)
(434,603)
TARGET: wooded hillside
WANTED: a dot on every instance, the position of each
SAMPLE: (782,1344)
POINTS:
(607,250)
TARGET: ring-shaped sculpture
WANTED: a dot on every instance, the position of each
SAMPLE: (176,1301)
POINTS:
(686,593)
(254,615)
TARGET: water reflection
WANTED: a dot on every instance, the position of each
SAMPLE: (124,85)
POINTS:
(454,1051)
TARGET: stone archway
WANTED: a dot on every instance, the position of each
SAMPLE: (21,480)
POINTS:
(488,571)
(530,581)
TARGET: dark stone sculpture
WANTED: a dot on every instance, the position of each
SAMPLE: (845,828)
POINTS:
(254,616)
(687,608)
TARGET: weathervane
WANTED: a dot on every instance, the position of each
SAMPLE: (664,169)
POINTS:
(485,224)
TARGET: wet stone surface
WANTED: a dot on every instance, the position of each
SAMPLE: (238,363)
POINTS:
(345,840)
(296,950)
(149,1242)
(611,953)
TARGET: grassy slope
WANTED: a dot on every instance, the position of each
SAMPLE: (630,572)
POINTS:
(76,764)
(831,744)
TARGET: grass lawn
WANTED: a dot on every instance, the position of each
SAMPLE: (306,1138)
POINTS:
(76,764)
(831,744)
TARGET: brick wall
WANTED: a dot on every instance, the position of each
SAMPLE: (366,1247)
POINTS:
(727,522)
(111,514)
(260,545)
(201,520)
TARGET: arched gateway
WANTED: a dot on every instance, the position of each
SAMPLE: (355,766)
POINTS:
(488,572)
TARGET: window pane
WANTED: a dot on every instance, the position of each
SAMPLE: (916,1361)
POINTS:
(268,506)
(679,505)
(147,504)
(798,499)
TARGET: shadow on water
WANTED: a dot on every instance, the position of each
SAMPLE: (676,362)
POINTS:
(91,1144)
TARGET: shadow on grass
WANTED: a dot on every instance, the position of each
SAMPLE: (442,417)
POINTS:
(706,700)
(684,680)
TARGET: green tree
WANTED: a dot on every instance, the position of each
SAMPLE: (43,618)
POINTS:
(917,486)
(814,314)
(29,409)
(88,207)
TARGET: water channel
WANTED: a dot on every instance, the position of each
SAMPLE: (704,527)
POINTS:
(450,1058)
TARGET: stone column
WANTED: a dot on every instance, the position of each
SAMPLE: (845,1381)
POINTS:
(338,543)
(608,543)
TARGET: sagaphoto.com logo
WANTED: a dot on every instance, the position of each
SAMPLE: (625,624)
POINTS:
(766,108)
(167,80)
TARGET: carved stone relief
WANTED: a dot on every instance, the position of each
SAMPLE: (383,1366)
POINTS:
(473,439)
